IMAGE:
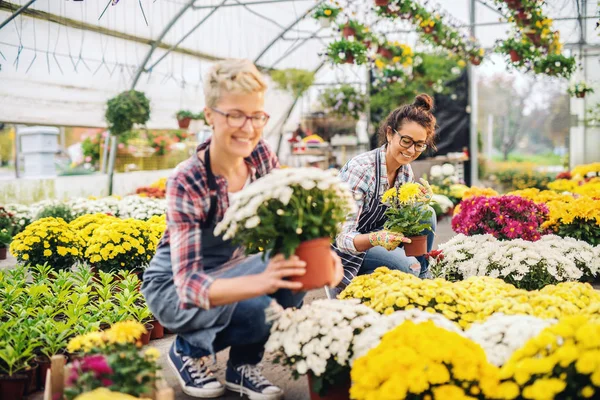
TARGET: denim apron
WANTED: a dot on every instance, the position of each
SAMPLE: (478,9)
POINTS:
(197,326)
(371,219)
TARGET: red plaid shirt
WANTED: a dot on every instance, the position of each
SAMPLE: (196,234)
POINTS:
(188,204)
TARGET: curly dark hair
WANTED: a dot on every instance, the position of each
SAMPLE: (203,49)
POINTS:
(420,111)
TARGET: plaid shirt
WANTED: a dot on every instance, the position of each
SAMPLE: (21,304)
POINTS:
(188,204)
(359,174)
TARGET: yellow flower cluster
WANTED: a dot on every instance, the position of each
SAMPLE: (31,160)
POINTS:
(477,191)
(120,244)
(576,210)
(590,189)
(407,194)
(426,361)
(472,300)
(119,333)
(48,240)
(541,196)
(160,184)
(86,224)
(581,171)
(563,361)
(104,394)
(563,185)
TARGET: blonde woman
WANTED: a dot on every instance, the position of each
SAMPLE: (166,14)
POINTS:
(201,286)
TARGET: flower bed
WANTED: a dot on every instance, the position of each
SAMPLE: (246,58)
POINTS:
(527,265)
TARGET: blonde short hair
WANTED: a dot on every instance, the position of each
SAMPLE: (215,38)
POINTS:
(232,75)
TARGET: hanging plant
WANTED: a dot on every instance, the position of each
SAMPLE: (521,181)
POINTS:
(326,14)
(343,101)
(394,54)
(292,80)
(521,51)
(555,65)
(579,90)
(353,28)
(126,110)
(347,52)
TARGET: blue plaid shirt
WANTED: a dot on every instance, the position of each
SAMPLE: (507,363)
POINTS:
(359,174)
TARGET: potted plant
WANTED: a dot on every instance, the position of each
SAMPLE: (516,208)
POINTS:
(5,239)
(343,101)
(326,14)
(291,211)
(324,351)
(406,213)
(555,65)
(126,110)
(112,358)
(579,89)
(16,353)
(293,80)
(347,52)
(519,50)
(184,117)
(355,29)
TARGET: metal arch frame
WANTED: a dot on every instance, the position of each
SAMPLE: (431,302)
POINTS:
(16,13)
(287,29)
(160,37)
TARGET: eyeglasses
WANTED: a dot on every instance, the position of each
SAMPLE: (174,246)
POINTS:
(237,119)
(407,142)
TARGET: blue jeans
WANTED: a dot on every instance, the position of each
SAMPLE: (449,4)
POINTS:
(397,259)
(248,330)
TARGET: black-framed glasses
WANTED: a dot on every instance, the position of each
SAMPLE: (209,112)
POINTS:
(407,142)
(237,119)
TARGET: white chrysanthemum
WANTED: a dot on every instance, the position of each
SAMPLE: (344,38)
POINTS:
(371,337)
(448,169)
(141,207)
(501,335)
(325,329)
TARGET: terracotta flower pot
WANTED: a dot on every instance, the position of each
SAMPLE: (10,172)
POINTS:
(146,336)
(13,387)
(349,58)
(319,263)
(32,381)
(385,53)
(43,366)
(158,331)
(2,253)
(514,56)
(347,32)
(417,247)
(535,38)
(382,3)
(428,29)
(514,4)
(521,16)
(184,123)
(475,60)
(341,392)
(580,95)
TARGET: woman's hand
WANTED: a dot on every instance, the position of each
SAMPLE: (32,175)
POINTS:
(426,191)
(338,270)
(386,239)
(273,277)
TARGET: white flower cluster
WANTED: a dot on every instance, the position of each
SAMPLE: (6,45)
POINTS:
(501,335)
(141,207)
(21,214)
(442,171)
(443,201)
(325,329)
(565,259)
(371,337)
(279,185)
(82,206)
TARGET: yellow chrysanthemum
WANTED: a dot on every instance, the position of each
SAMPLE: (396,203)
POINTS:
(125,332)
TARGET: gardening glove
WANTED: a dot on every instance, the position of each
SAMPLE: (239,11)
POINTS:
(386,239)
(426,191)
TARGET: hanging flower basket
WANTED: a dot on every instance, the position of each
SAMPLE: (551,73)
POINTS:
(324,22)
(385,53)
(514,56)
(521,16)
(348,31)
(579,95)
(513,4)
(184,123)
(382,3)
(475,60)
(535,38)
(349,58)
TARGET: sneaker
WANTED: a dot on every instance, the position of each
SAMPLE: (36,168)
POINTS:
(195,377)
(249,380)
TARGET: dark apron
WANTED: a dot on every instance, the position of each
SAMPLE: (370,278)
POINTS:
(371,219)
(197,326)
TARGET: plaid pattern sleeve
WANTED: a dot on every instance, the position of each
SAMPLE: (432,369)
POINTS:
(359,175)
(183,221)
